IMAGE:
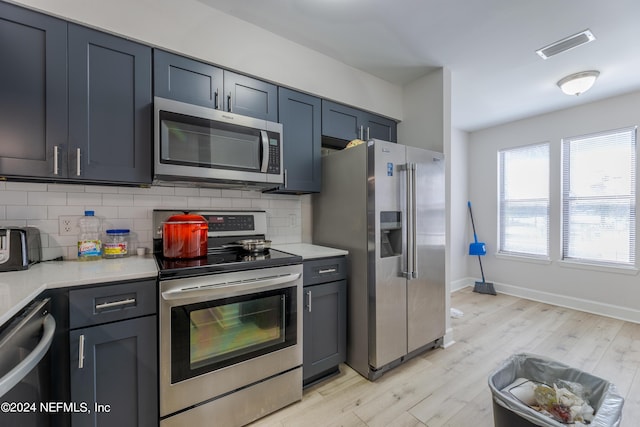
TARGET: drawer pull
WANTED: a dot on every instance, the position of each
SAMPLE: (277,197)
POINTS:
(328,270)
(81,353)
(309,301)
(115,303)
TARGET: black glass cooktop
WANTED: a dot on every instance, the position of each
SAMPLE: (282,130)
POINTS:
(223,260)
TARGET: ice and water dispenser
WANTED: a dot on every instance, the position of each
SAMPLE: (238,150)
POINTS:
(390,234)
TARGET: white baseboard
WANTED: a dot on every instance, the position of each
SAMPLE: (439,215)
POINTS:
(594,307)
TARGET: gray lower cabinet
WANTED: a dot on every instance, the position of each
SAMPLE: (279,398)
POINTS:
(301,117)
(324,319)
(187,80)
(75,104)
(113,355)
(345,123)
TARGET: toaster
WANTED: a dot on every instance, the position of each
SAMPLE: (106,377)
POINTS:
(20,247)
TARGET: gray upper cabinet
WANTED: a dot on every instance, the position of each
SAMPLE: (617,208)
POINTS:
(109,108)
(186,80)
(346,123)
(301,116)
(250,97)
(75,104)
(33,91)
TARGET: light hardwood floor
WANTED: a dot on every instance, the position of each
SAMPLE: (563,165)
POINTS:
(448,387)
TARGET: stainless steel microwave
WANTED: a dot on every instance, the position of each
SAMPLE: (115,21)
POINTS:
(203,146)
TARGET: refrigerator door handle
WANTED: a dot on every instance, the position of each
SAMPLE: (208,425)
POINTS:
(408,273)
(414,224)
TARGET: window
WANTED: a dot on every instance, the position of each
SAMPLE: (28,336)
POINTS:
(524,200)
(599,198)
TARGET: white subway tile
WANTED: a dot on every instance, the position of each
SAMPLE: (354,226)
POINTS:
(53,212)
(13,197)
(240,203)
(230,193)
(3,185)
(66,188)
(187,191)
(104,189)
(221,203)
(210,192)
(47,226)
(53,253)
(132,212)
(117,199)
(260,203)
(142,225)
(174,201)
(26,186)
(198,202)
(144,200)
(13,222)
(44,198)
(3,212)
(107,212)
(26,212)
(55,240)
(90,200)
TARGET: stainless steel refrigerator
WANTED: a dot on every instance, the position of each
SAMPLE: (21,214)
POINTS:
(385,204)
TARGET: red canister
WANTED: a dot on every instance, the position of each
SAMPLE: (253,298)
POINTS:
(184,236)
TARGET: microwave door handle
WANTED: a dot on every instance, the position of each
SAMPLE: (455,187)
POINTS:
(265,151)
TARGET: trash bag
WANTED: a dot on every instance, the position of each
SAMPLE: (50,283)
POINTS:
(602,395)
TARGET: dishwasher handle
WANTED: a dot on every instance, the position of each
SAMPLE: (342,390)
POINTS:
(16,375)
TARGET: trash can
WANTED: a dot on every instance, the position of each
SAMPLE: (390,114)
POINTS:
(509,411)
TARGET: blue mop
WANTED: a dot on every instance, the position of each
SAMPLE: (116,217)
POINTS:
(479,249)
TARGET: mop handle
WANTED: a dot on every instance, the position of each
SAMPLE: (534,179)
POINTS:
(475,238)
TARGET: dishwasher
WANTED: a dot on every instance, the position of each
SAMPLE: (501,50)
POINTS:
(25,366)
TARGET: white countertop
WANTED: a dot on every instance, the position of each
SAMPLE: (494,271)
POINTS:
(308,251)
(18,288)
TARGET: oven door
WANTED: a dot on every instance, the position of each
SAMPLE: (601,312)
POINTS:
(223,332)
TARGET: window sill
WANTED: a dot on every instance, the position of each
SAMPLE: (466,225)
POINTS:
(628,270)
(524,258)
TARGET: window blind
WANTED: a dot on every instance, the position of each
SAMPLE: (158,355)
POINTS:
(524,200)
(599,197)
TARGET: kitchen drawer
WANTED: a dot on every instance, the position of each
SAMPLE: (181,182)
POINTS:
(102,304)
(324,270)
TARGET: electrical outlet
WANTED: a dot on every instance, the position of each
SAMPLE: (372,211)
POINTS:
(68,225)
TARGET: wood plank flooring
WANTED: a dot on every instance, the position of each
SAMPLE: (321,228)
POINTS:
(448,387)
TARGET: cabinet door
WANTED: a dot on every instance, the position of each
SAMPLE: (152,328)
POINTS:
(340,121)
(250,97)
(301,116)
(33,88)
(109,108)
(377,127)
(325,328)
(186,80)
(120,370)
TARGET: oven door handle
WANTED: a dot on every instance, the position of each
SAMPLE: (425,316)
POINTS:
(213,288)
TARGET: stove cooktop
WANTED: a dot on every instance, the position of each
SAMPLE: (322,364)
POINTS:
(223,261)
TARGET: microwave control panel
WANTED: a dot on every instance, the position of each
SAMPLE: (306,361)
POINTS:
(274,156)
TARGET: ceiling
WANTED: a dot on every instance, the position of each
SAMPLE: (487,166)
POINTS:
(489,46)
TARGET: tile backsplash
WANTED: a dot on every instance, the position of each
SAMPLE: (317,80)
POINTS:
(41,205)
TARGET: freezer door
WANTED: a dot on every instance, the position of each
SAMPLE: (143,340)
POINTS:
(387,252)
(426,288)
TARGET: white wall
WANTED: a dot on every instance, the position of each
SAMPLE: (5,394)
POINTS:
(459,217)
(193,29)
(605,291)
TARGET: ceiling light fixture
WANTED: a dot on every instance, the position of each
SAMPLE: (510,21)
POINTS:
(577,83)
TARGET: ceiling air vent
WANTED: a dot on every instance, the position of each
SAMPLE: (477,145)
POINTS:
(565,44)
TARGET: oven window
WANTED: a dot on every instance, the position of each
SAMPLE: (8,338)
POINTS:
(198,142)
(209,336)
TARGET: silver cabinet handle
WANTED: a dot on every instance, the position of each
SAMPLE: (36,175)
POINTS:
(286,183)
(216,102)
(229,107)
(115,303)
(328,270)
(78,161)
(18,373)
(361,132)
(56,167)
(81,352)
(309,301)
(265,151)
(368,134)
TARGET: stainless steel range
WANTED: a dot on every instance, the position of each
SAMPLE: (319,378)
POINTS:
(230,326)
